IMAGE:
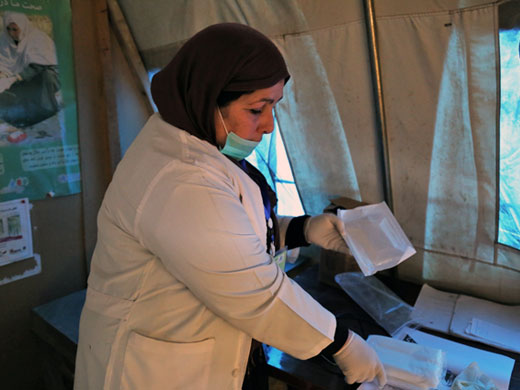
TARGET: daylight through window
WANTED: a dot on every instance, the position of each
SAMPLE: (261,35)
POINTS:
(509,217)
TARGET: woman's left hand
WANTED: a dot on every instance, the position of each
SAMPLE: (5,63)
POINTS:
(326,230)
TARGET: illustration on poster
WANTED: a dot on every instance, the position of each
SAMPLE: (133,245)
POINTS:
(30,90)
(38,108)
(16,186)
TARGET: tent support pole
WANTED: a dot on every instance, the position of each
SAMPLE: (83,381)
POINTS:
(378,97)
(131,52)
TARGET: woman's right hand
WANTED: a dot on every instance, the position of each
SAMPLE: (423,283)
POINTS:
(359,361)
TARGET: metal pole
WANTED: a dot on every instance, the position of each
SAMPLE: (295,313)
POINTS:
(378,92)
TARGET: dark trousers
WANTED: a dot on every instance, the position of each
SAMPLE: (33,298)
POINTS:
(256,377)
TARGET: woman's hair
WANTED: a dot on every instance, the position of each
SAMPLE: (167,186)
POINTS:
(214,67)
(227,97)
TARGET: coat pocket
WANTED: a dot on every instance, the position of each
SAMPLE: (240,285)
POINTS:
(157,364)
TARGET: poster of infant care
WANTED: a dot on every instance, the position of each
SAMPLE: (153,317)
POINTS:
(38,114)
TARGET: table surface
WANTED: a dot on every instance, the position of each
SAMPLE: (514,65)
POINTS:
(317,373)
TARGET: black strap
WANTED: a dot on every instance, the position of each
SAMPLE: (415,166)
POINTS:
(295,236)
(268,197)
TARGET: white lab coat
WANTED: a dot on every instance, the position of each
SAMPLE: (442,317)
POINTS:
(180,279)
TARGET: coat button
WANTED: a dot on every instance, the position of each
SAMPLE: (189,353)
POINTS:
(235,372)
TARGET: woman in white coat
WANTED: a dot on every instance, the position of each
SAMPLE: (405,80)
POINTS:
(183,277)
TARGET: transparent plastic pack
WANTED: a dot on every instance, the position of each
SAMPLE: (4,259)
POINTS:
(381,303)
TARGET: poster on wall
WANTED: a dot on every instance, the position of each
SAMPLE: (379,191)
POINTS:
(15,231)
(39,154)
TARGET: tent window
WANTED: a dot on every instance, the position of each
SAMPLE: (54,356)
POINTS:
(271,159)
(509,215)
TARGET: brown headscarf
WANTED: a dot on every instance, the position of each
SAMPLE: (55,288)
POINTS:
(222,57)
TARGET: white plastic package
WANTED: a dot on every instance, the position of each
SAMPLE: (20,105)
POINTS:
(375,238)
(473,379)
(409,366)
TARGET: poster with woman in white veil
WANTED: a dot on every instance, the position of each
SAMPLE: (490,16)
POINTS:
(38,126)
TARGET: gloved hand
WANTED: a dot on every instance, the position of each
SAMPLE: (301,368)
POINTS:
(326,230)
(359,361)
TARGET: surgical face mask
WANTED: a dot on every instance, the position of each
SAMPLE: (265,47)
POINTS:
(236,146)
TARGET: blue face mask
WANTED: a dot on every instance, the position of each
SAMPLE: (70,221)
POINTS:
(236,146)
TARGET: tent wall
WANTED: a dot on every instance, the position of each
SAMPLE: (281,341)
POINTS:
(132,108)
(439,62)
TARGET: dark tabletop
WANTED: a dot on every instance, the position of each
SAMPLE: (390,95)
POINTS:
(317,373)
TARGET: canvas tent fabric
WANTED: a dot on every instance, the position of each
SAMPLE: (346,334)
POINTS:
(439,67)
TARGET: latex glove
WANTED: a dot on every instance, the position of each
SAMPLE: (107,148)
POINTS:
(326,230)
(359,361)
